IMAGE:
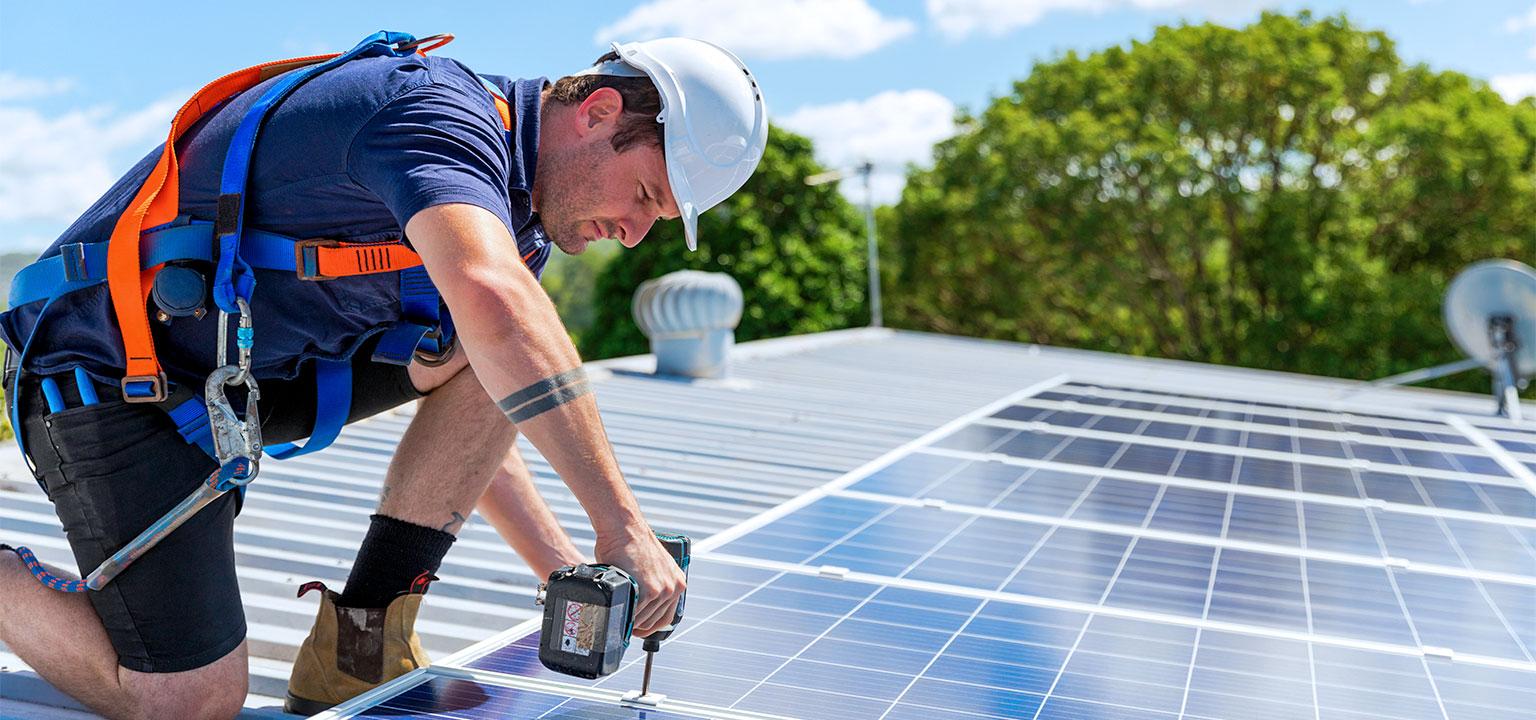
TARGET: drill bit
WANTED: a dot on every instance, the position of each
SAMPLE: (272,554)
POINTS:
(645,683)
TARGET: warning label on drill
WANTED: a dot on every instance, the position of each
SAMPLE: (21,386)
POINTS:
(579,626)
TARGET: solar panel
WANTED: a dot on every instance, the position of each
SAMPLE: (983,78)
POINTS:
(1100,552)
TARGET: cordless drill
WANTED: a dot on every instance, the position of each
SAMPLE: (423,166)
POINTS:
(589,614)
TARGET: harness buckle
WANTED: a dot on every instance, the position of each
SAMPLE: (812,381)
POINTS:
(135,395)
(306,258)
(444,352)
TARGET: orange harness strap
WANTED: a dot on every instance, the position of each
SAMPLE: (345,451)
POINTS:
(157,204)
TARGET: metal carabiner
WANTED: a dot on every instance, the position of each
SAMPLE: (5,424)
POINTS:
(234,437)
(245,337)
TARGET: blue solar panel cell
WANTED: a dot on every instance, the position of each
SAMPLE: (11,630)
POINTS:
(1354,684)
(1392,488)
(1258,589)
(1071,565)
(1475,693)
(1340,529)
(1355,602)
(1148,459)
(1517,604)
(1417,538)
(912,474)
(1512,501)
(1117,501)
(1259,472)
(1492,547)
(975,438)
(1191,511)
(1264,519)
(1163,577)
(979,484)
(1047,492)
(1202,465)
(1321,448)
(1328,481)
(1451,612)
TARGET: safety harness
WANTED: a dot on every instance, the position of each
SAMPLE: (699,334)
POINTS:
(149,235)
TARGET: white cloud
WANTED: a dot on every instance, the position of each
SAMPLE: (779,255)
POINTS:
(891,129)
(14,87)
(1514,87)
(1522,23)
(958,19)
(768,29)
(53,167)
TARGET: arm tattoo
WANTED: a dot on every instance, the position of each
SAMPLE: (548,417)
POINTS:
(545,395)
(455,523)
(542,388)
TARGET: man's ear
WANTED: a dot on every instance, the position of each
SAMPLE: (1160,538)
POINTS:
(600,111)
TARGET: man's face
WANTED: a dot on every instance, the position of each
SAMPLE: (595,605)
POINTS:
(587,192)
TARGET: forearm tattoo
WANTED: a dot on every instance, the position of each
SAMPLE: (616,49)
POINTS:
(545,395)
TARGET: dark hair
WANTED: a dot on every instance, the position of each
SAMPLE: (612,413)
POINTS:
(642,103)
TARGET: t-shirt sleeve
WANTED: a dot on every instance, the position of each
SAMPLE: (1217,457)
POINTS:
(433,145)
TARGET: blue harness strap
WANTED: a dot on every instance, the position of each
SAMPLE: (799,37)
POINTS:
(333,402)
(79,266)
(231,276)
(420,327)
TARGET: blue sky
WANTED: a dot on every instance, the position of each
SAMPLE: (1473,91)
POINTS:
(87,88)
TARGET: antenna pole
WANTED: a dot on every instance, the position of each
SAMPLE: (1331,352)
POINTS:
(1506,377)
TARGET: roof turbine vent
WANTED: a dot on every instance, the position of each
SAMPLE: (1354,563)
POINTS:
(690,318)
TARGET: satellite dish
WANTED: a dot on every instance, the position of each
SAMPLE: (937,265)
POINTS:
(1490,313)
(1478,298)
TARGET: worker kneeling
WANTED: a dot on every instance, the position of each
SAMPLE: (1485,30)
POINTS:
(371,226)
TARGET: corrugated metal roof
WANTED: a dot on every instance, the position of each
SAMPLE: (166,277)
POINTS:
(702,456)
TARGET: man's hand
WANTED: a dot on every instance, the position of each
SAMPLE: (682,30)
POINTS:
(661,581)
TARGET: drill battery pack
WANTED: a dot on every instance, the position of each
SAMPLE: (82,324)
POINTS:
(589,613)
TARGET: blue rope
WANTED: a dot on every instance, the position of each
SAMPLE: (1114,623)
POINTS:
(48,579)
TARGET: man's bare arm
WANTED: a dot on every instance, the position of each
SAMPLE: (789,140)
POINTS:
(521,354)
(513,505)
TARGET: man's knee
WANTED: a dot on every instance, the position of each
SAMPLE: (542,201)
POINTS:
(217,690)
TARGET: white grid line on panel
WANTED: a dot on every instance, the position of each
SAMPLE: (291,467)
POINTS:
(1036,426)
(1204,420)
(1253,490)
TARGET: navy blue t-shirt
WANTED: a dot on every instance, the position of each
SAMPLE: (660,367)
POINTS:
(350,155)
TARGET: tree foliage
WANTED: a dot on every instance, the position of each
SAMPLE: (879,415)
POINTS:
(1289,195)
(571,280)
(795,250)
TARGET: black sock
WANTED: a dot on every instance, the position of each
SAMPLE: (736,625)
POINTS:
(392,556)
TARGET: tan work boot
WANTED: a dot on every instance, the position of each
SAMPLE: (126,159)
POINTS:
(352,650)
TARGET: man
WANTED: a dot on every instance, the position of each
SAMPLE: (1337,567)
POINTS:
(376,145)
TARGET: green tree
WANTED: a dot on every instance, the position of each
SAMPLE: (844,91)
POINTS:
(571,281)
(1289,195)
(796,250)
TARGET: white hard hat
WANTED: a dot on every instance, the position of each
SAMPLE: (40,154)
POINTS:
(715,122)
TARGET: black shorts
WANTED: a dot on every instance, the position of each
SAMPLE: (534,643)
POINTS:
(113,468)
